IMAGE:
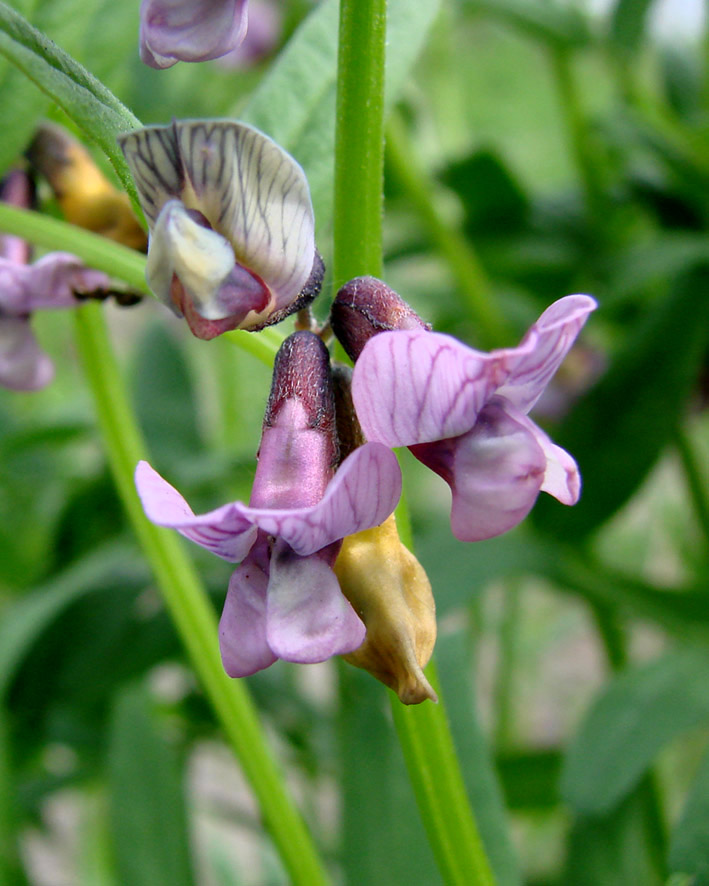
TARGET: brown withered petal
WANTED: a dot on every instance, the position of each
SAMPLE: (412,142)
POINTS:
(391,593)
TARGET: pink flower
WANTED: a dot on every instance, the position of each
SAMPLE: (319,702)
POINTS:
(464,413)
(284,600)
(189,30)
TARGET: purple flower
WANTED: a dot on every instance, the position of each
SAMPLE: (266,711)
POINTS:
(189,30)
(51,282)
(463,413)
(284,600)
(232,231)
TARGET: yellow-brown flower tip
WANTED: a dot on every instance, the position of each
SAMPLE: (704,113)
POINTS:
(86,197)
(391,593)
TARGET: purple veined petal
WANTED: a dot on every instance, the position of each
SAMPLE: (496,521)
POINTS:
(14,292)
(242,627)
(224,531)
(56,279)
(362,494)
(307,617)
(495,472)
(23,365)
(189,30)
(542,350)
(416,386)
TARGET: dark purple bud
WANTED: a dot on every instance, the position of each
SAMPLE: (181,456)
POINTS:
(366,306)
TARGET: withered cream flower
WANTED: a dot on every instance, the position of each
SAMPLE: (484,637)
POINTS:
(232,231)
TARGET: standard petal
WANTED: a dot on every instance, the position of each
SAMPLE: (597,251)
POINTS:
(255,195)
(307,617)
(542,350)
(242,627)
(416,386)
(189,30)
(23,366)
(362,494)
(225,531)
(495,472)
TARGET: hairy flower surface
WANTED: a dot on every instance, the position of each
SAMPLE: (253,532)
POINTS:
(464,414)
(51,282)
(284,600)
(232,231)
(189,30)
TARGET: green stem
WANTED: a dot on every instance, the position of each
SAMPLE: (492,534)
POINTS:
(695,483)
(423,729)
(96,251)
(464,264)
(359,140)
(189,606)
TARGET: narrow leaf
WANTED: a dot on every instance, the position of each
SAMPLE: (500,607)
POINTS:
(689,844)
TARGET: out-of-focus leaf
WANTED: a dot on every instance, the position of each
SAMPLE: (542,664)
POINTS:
(455,672)
(614,849)
(24,621)
(618,430)
(560,24)
(379,810)
(530,780)
(628,22)
(148,814)
(634,717)
(87,101)
(682,76)
(164,398)
(493,200)
(295,102)
(689,843)
(667,256)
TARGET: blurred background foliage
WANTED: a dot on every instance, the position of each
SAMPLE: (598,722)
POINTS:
(536,148)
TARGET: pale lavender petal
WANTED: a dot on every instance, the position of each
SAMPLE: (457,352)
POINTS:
(495,472)
(23,366)
(189,30)
(51,282)
(542,350)
(561,478)
(242,628)
(307,617)
(362,494)
(224,532)
(416,386)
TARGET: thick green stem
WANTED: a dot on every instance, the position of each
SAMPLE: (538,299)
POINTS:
(464,264)
(189,606)
(423,729)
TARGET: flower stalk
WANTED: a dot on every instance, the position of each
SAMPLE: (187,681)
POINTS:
(189,607)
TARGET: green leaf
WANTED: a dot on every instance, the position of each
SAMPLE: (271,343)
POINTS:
(87,101)
(635,716)
(560,24)
(148,814)
(295,102)
(689,843)
(24,620)
(614,849)
(628,23)
(530,779)
(620,428)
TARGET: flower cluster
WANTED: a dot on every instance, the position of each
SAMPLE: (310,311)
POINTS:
(322,570)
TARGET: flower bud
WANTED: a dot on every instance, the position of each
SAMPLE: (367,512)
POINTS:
(366,306)
(391,593)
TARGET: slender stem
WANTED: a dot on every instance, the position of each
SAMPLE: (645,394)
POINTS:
(578,131)
(97,252)
(189,606)
(463,261)
(423,729)
(508,641)
(359,140)
(695,483)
